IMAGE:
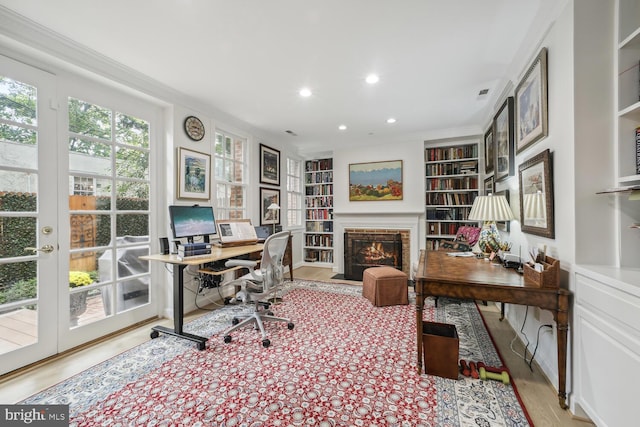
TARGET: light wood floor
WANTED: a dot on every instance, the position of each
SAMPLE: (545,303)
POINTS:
(536,392)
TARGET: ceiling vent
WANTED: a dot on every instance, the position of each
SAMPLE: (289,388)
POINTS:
(483,92)
(290,132)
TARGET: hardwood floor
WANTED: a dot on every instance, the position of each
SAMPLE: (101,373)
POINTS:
(538,395)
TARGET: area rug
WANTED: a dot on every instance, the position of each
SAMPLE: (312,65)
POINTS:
(346,363)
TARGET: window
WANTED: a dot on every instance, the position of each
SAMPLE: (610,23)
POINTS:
(230,166)
(294,193)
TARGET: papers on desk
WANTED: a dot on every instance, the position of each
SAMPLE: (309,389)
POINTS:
(462,254)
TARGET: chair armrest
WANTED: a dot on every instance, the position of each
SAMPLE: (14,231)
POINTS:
(241,263)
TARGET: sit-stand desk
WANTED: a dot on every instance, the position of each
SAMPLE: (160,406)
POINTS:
(217,254)
(441,275)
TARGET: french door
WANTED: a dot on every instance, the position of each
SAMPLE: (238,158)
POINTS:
(75,213)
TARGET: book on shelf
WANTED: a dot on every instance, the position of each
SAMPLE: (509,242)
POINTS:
(193,246)
(638,150)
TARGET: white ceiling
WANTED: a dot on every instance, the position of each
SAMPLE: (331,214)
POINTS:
(249,58)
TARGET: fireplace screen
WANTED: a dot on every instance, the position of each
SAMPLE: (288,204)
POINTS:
(364,250)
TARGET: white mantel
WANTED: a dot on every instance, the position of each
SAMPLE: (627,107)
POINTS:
(388,220)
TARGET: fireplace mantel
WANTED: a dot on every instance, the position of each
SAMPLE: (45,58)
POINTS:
(375,220)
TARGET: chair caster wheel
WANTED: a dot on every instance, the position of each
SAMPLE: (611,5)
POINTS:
(235,321)
(154,334)
(227,339)
(201,346)
(290,325)
(266,343)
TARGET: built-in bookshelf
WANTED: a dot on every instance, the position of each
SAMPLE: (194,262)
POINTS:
(452,180)
(318,201)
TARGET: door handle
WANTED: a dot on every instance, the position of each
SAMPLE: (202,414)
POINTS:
(46,249)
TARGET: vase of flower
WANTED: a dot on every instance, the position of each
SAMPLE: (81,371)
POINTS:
(78,300)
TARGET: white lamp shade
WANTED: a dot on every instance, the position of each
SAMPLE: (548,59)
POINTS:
(491,208)
(273,206)
(534,206)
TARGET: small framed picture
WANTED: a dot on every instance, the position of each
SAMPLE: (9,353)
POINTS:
(503,135)
(504,225)
(269,165)
(531,103)
(269,196)
(488,185)
(194,174)
(488,150)
(536,196)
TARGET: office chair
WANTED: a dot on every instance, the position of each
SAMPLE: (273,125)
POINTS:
(262,281)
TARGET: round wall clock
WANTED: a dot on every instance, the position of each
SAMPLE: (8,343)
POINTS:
(194,128)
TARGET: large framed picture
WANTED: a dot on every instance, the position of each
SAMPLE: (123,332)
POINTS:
(536,195)
(269,165)
(268,216)
(194,174)
(531,103)
(488,150)
(503,135)
(375,181)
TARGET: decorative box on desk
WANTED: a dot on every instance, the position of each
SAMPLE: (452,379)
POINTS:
(548,278)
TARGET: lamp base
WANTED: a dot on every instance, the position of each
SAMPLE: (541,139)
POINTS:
(489,240)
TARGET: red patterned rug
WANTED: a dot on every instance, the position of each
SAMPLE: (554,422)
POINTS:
(346,363)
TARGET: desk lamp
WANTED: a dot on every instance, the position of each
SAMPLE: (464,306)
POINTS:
(490,209)
(273,208)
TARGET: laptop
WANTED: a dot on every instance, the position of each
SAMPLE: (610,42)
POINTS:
(262,232)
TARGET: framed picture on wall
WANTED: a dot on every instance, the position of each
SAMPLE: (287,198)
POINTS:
(488,185)
(504,225)
(375,181)
(194,174)
(488,150)
(269,165)
(531,103)
(268,196)
(536,196)
(503,135)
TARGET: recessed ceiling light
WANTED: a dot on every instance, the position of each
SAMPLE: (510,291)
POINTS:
(391,120)
(342,127)
(305,92)
(372,79)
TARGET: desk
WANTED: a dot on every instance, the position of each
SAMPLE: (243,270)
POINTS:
(217,254)
(471,278)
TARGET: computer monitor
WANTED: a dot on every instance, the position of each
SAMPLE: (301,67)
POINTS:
(192,221)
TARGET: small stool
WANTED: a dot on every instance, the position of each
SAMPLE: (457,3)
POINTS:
(385,286)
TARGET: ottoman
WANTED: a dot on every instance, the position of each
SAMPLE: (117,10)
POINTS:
(385,286)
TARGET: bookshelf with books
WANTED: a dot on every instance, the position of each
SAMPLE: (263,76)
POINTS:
(452,180)
(318,200)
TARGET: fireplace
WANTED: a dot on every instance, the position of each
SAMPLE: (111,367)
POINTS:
(371,249)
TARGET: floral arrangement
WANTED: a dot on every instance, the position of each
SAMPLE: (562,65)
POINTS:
(79,278)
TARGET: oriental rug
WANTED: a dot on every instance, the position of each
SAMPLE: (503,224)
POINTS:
(346,363)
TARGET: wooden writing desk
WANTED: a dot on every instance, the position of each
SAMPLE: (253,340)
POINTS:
(471,278)
(217,254)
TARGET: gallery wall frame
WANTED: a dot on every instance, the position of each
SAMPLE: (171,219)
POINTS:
(504,159)
(531,99)
(489,147)
(504,225)
(488,185)
(269,165)
(536,195)
(194,175)
(375,181)
(267,197)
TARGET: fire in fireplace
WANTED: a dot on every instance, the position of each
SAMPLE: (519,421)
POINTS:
(364,250)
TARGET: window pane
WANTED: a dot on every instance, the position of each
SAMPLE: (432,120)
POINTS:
(132,225)
(87,156)
(218,147)
(236,196)
(18,282)
(88,119)
(132,163)
(219,168)
(18,102)
(228,171)
(18,134)
(222,197)
(16,229)
(227,147)
(16,183)
(132,293)
(132,131)
(132,196)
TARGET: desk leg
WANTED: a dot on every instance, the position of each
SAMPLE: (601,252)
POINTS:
(178,311)
(562,322)
(419,308)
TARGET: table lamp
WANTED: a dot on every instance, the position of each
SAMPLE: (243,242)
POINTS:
(490,209)
(273,207)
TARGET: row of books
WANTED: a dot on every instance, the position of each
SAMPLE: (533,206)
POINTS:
(319,202)
(466,183)
(452,199)
(452,153)
(315,165)
(318,177)
(439,228)
(321,213)
(319,190)
(638,150)
(319,227)
(189,250)
(448,213)
(456,168)
(323,240)
(313,255)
